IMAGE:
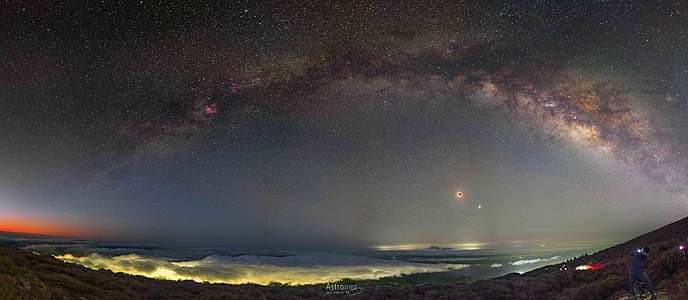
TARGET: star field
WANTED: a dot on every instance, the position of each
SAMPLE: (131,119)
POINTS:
(330,124)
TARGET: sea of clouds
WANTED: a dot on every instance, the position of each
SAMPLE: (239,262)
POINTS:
(234,266)
(229,266)
(301,268)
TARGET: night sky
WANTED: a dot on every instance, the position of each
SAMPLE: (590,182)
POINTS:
(335,124)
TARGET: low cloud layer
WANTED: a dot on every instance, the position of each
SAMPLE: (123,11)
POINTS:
(309,268)
(532,261)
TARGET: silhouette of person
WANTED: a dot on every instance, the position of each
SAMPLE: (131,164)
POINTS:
(638,262)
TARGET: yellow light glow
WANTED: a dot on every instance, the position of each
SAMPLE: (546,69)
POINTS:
(249,270)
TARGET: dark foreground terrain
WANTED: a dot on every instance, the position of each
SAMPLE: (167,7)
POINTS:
(25,275)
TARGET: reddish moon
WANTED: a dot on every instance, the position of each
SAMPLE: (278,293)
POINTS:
(459,194)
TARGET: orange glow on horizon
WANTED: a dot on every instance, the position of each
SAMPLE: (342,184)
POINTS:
(45,227)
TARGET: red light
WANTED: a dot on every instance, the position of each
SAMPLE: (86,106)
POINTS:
(590,267)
